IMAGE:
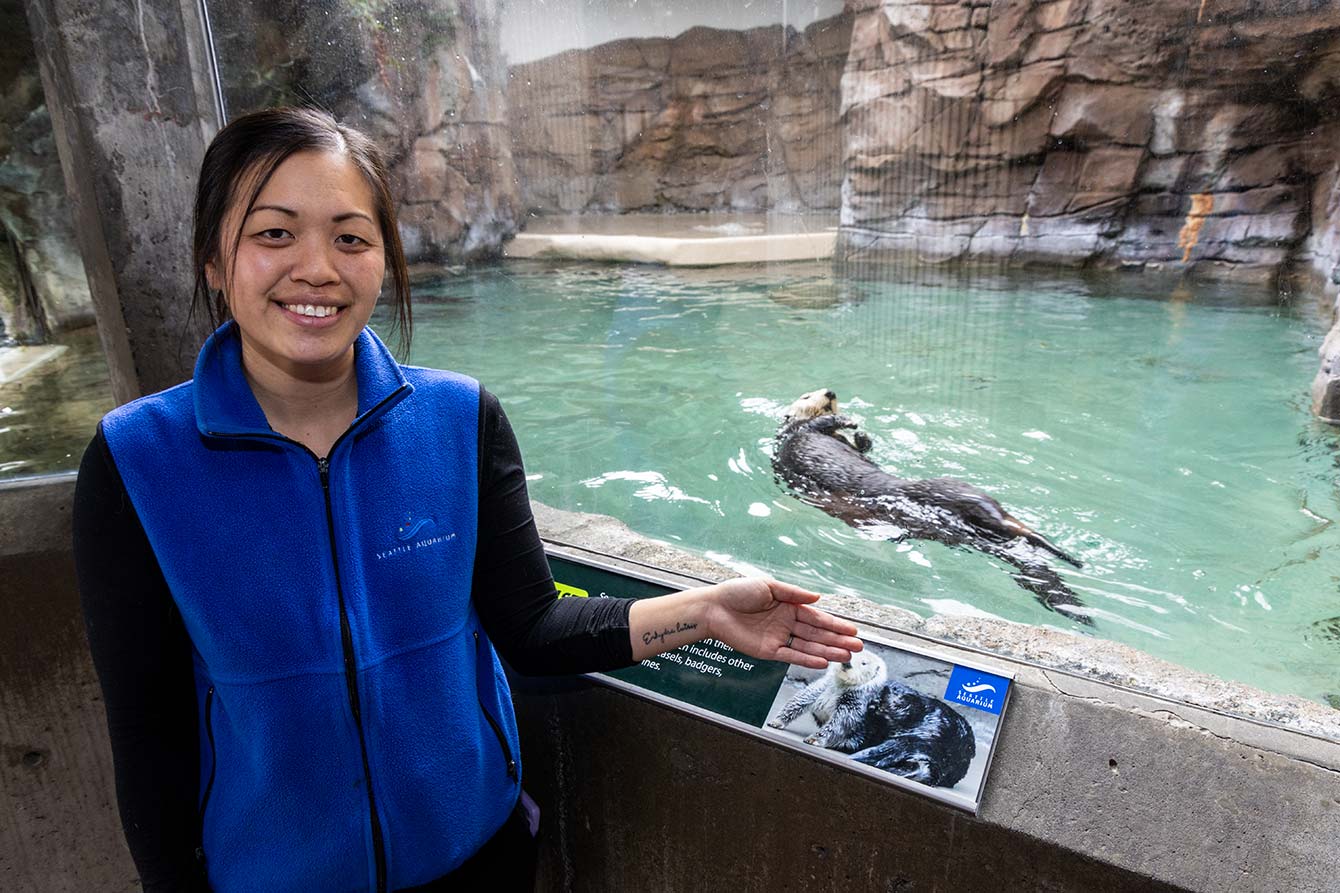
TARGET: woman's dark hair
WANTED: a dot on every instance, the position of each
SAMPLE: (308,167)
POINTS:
(245,154)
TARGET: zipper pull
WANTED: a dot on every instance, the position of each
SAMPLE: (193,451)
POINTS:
(323,467)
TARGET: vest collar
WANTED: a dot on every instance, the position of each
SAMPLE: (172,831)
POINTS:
(225,406)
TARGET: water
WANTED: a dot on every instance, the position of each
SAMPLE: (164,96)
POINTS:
(1167,443)
(49,415)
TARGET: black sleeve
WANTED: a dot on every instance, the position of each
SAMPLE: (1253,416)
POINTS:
(143,657)
(537,632)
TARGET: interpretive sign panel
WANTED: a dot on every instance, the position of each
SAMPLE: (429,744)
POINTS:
(897,713)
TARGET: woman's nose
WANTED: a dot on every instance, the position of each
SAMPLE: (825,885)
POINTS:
(314,263)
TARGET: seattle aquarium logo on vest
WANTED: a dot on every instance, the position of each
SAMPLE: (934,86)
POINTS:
(410,528)
(415,533)
(985,691)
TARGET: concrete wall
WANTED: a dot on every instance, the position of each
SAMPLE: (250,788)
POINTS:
(58,825)
(1094,786)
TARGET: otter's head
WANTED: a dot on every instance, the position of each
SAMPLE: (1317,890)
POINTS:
(811,406)
(864,668)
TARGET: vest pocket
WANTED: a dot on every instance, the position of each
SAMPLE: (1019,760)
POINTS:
(493,723)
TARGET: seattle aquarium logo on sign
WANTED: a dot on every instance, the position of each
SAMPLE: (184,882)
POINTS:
(985,691)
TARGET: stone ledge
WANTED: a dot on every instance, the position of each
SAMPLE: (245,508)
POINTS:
(673,252)
(16,362)
(35,514)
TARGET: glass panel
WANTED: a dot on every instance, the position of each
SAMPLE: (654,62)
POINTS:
(1035,256)
(53,379)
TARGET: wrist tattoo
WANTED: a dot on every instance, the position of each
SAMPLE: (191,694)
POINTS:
(649,637)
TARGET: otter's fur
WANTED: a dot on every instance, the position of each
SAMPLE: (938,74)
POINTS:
(844,688)
(884,723)
(821,456)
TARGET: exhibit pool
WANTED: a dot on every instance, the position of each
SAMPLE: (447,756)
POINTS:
(1164,439)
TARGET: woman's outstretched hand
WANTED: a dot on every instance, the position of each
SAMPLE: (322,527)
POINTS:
(761,617)
(772,620)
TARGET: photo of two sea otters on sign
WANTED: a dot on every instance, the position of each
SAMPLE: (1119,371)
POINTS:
(821,455)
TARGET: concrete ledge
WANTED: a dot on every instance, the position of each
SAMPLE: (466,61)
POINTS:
(1161,782)
(677,240)
(672,252)
(16,362)
(35,514)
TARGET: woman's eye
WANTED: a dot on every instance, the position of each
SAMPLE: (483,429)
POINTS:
(274,233)
(350,239)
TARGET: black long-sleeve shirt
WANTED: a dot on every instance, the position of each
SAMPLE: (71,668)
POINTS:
(143,654)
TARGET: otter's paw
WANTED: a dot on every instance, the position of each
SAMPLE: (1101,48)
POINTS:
(774,724)
(813,739)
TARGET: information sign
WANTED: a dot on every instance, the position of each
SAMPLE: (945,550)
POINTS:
(896,713)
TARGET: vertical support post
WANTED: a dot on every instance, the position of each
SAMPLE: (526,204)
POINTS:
(133,104)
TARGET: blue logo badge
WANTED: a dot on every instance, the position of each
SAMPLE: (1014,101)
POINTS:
(973,688)
(410,528)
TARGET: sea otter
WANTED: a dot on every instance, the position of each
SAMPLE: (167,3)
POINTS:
(821,456)
(883,722)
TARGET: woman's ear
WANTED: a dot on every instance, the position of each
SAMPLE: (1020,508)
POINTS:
(212,278)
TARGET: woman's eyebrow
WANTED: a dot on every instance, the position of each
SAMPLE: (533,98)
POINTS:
(282,210)
(338,218)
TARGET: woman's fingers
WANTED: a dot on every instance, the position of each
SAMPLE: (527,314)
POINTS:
(818,620)
(822,652)
(801,659)
(822,620)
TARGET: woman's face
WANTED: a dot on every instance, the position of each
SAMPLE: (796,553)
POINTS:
(308,267)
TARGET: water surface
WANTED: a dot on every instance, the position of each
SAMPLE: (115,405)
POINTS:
(48,415)
(1163,439)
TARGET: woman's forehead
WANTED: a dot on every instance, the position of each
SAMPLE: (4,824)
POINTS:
(318,183)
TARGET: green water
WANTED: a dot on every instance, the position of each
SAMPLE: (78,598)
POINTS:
(48,415)
(1166,442)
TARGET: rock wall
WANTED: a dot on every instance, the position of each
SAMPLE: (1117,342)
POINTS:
(424,78)
(708,120)
(1197,138)
(43,289)
(1119,133)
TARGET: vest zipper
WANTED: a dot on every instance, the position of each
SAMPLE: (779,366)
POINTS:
(213,768)
(493,724)
(346,635)
(351,682)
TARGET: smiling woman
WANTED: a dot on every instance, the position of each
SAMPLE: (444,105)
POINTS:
(300,262)
(295,568)
(302,280)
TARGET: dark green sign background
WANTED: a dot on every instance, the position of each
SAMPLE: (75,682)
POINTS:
(708,674)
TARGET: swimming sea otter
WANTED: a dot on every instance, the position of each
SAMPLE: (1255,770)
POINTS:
(820,454)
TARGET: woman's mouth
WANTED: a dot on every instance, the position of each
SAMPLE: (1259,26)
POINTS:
(311,311)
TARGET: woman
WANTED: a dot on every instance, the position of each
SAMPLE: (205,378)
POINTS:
(295,567)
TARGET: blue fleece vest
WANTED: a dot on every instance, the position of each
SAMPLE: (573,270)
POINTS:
(336,645)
